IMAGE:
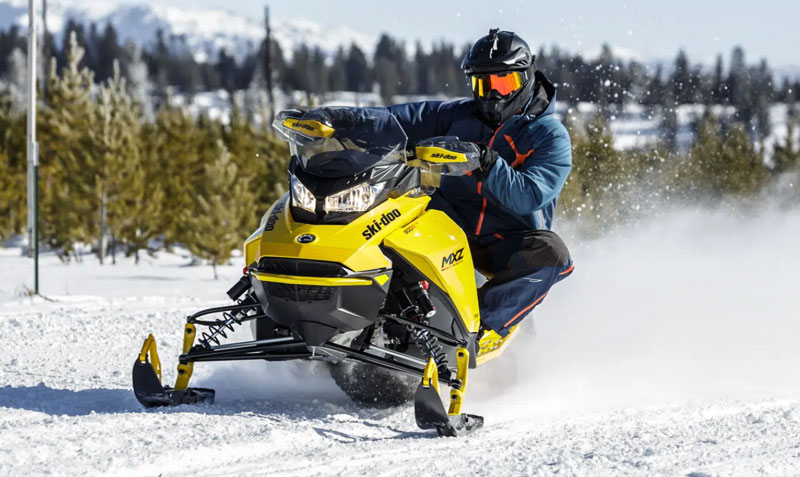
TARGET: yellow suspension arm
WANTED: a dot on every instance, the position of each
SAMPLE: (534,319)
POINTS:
(185,370)
(149,348)
(431,375)
(457,395)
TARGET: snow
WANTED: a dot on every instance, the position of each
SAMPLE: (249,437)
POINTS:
(670,351)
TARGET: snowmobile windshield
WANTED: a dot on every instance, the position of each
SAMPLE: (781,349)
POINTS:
(342,141)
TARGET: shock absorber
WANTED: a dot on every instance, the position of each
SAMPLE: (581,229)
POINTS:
(420,296)
(430,347)
(427,343)
(219,329)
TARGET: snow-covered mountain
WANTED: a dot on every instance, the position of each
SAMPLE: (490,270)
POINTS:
(205,31)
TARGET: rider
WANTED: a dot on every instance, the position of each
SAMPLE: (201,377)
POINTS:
(505,206)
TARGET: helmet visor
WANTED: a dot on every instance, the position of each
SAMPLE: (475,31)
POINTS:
(504,83)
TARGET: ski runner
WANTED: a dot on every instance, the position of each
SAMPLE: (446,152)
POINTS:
(506,206)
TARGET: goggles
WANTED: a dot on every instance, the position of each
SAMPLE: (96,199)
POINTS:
(504,83)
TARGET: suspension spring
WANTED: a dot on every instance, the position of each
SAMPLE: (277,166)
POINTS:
(219,329)
(430,347)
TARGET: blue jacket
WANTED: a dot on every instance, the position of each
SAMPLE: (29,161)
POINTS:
(521,190)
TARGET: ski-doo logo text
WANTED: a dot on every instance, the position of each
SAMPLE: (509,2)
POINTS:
(378,224)
(273,217)
(439,155)
(453,259)
(300,125)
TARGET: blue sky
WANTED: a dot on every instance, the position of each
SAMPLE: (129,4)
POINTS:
(653,30)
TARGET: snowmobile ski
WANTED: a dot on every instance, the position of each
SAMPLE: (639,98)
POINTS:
(429,410)
(147,385)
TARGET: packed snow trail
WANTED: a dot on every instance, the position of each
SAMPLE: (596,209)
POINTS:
(671,351)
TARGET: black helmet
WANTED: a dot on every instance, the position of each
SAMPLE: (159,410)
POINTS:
(500,68)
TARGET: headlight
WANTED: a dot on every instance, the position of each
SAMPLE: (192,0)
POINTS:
(302,197)
(355,199)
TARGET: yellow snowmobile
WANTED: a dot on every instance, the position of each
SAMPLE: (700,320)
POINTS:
(350,267)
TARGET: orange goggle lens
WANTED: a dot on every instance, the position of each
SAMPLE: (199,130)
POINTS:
(503,83)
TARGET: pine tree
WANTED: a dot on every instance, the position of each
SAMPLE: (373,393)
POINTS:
(7,183)
(392,72)
(13,167)
(722,166)
(655,91)
(172,145)
(299,74)
(67,154)
(337,75)
(681,80)
(222,208)
(737,82)
(718,91)
(261,159)
(358,72)
(6,214)
(144,198)
(786,156)
(119,169)
(599,179)
(318,72)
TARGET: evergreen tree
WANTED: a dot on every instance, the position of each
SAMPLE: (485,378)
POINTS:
(318,72)
(68,214)
(10,40)
(425,70)
(599,179)
(146,208)
(358,72)
(6,211)
(447,75)
(655,90)
(299,74)
(786,156)
(392,72)
(221,210)
(681,80)
(723,165)
(260,159)
(718,88)
(175,145)
(13,167)
(737,82)
(760,98)
(107,52)
(119,175)
(669,123)
(337,75)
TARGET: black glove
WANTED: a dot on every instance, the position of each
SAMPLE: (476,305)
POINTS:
(487,159)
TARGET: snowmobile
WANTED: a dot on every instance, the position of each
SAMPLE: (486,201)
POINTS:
(351,268)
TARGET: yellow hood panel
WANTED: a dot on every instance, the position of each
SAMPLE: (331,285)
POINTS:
(354,245)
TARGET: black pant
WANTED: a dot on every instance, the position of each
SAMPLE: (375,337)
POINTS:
(521,271)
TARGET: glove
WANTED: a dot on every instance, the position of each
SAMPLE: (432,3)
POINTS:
(487,159)
(343,118)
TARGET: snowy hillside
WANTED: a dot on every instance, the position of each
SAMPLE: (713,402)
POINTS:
(669,352)
(204,30)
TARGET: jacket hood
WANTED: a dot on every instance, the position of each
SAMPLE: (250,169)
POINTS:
(543,101)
